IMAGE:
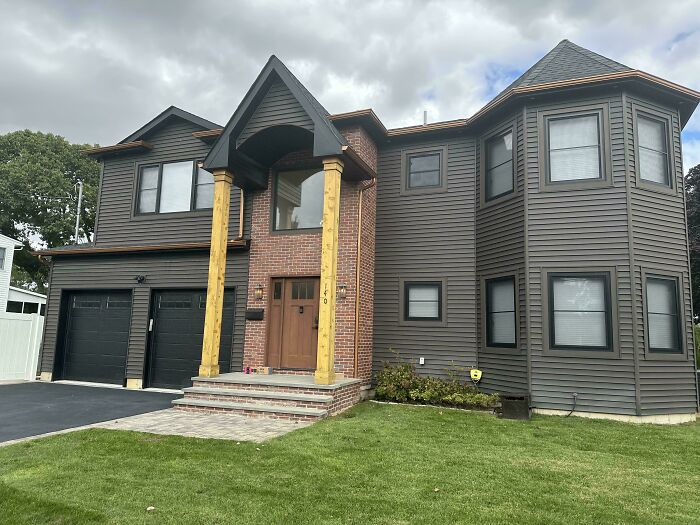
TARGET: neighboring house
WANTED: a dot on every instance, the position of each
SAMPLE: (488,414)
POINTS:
(542,240)
(7,253)
(22,301)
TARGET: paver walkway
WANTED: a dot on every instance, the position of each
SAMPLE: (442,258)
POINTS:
(213,426)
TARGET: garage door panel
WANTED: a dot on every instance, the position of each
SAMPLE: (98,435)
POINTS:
(96,337)
(176,342)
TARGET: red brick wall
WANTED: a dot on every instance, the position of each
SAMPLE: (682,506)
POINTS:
(299,254)
(362,143)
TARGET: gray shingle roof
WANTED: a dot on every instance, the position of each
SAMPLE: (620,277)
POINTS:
(567,61)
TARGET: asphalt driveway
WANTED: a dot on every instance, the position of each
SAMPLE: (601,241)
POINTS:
(31,409)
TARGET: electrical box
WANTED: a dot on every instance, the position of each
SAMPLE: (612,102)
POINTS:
(421,360)
(515,405)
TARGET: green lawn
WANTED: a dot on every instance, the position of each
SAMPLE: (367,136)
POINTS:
(375,464)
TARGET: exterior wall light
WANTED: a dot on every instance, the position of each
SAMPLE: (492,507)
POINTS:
(342,291)
(258,294)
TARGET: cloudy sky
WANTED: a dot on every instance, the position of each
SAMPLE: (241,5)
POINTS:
(96,71)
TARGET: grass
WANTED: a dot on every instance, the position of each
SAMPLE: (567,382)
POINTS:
(377,463)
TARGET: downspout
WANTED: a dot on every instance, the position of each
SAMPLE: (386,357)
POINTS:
(240,217)
(372,183)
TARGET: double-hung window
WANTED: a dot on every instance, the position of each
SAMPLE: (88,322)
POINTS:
(499,166)
(574,148)
(2,258)
(652,137)
(500,312)
(174,187)
(580,312)
(663,316)
(424,170)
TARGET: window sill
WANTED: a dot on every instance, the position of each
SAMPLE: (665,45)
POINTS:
(655,187)
(575,185)
(172,215)
(512,350)
(423,324)
(591,354)
(298,231)
(498,201)
(661,356)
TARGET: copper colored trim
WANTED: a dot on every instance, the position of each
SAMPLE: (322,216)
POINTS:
(236,243)
(372,183)
(355,157)
(448,124)
(360,113)
(207,133)
(118,147)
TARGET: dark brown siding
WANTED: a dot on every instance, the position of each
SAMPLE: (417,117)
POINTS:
(427,235)
(278,107)
(659,230)
(500,244)
(577,229)
(117,225)
(165,270)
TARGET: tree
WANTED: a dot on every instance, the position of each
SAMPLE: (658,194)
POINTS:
(38,177)
(692,188)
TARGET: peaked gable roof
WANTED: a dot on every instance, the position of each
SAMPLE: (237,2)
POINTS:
(161,118)
(327,139)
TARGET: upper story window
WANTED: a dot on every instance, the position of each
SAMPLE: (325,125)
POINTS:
(663,316)
(574,148)
(653,150)
(174,187)
(499,166)
(500,312)
(298,200)
(2,258)
(424,170)
(580,312)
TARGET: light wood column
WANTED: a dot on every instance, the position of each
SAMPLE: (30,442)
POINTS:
(325,357)
(209,366)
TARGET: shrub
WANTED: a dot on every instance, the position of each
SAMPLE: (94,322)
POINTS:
(401,383)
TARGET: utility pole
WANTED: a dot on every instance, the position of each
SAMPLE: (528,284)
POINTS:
(77,215)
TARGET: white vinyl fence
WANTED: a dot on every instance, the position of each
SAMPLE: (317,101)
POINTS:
(20,340)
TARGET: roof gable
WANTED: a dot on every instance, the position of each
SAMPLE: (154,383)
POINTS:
(327,139)
(169,113)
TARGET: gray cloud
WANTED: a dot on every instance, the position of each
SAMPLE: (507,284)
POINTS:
(94,72)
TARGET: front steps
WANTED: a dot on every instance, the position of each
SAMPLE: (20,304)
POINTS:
(276,396)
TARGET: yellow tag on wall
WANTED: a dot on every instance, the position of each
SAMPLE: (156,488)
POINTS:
(475,374)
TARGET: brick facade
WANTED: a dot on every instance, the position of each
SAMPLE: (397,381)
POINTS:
(298,254)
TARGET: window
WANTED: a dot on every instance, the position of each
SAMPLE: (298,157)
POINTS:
(298,200)
(574,148)
(424,171)
(500,312)
(499,165)
(14,307)
(423,301)
(174,187)
(653,150)
(663,319)
(580,311)
(2,258)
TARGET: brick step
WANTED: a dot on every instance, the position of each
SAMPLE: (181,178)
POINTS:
(251,409)
(259,396)
(275,383)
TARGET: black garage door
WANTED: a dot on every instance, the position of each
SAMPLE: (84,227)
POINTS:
(97,336)
(175,351)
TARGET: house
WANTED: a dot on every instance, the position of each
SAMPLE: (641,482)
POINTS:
(542,239)
(7,253)
(23,301)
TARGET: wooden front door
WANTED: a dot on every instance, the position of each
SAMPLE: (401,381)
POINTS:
(293,325)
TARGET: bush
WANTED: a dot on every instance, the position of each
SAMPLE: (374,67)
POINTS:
(401,383)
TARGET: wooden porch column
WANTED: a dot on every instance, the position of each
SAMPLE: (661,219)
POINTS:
(209,366)
(325,356)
